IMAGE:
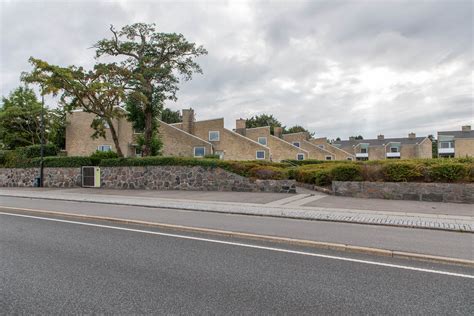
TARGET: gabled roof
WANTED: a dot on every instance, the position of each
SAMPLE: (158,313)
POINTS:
(458,134)
(380,142)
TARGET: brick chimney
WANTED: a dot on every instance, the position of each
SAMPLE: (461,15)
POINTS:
(466,128)
(240,126)
(380,137)
(277,131)
(412,135)
(188,120)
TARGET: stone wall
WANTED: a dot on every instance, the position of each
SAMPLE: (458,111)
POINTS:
(431,192)
(188,178)
(53,177)
(150,178)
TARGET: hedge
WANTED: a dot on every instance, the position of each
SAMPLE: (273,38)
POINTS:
(34,151)
(64,162)
(402,171)
(449,172)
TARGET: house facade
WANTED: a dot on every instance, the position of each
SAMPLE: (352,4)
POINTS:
(410,147)
(456,143)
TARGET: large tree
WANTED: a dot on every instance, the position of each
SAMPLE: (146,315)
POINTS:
(100,91)
(20,123)
(263,120)
(297,129)
(156,62)
(169,116)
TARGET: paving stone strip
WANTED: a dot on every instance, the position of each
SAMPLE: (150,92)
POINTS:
(400,219)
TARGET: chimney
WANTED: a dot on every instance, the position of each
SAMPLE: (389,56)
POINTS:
(412,135)
(188,120)
(277,131)
(380,137)
(240,126)
(352,138)
(466,128)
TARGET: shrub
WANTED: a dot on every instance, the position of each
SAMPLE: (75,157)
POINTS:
(12,159)
(3,156)
(214,156)
(448,172)
(347,172)
(97,156)
(34,151)
(402,171)
(268,173)
(66,162)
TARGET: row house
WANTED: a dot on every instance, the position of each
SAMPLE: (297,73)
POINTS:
(410,147)
(456,143)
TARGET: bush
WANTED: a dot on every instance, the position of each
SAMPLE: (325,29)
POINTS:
(212,156)
(449,172)
(348,172)
(34,151)
(97,156)
(65,162)
(3,156)
(402,171)
(12,159)
(268,173)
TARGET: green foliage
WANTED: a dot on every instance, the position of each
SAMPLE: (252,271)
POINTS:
(262,121)
(434,146)
(65,162)
(358,137)
(34,151)
(156,144)
(268,173)
(297,129)
(20,123)
(402,171)
(213,156)
(97,156)
(169,116)
(449,172)
(346,172)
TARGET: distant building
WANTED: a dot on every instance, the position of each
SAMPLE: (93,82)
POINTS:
(387,148)
(456,143)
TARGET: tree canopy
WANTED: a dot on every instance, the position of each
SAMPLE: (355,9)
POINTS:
(297,129)
(156,61)
(169,116)
(263,120)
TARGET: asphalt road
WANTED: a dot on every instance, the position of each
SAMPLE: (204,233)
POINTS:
(432,242)
(58,267)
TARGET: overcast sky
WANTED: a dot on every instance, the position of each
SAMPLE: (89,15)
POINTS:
(339,68)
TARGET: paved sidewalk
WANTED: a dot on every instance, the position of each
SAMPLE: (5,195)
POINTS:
(289,209)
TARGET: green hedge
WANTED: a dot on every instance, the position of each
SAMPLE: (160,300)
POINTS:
(64,162)
(98,156)
(34,151)
(449,172)
(402,171)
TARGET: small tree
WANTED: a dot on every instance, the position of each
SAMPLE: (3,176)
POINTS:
(169,116)
(156,61)
(359,137)
(263,120)
(20,123)
(100,91)
(434,146)
(297,129)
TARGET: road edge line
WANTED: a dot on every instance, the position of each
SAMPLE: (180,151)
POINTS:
(284,240)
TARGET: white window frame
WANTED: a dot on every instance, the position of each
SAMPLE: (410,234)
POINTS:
(100,147)
(138,152)
(366,151)
(299,144)
(218,136)
(204,152)
(450,142)
(300,154)
(260,151)
(396,150)
(264,144)
(330,158)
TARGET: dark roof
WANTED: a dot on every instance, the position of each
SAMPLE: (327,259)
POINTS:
(380,142)
(458,134)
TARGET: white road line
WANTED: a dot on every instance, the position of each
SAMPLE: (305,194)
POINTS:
(306,200)
(249,246)
(288,199)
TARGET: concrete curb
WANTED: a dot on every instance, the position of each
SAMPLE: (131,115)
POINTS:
(284,240)
(265,210)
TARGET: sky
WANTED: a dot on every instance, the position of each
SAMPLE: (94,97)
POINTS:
(338,68)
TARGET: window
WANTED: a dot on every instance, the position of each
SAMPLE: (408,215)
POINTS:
(394,149)
(199,151)
(138,152)
(300,157)
(104,148)
(220,153)
(321,146)
(297,144)
(262,140)
(214,136)
(328,158)
(363,150)
(446,144)
(260,154)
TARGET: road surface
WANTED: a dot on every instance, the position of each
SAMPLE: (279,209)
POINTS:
(57,266)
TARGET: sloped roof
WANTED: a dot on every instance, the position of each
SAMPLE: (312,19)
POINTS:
(458,134)
(380,142)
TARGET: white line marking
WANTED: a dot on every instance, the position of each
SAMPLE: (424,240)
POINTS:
(288,199)
(306,200)
(248,246)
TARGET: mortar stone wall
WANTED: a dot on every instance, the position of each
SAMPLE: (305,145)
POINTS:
(431,192)
(53,177)
(195,178)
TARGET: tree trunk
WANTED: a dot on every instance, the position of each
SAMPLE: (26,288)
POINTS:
(148,133)
(115,138)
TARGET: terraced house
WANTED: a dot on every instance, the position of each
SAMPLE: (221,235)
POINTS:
(387,148)
(456,143)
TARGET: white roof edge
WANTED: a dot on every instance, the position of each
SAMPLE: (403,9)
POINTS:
(348,153)
(178,129)
(316,146)
(246,138)
(290,144)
